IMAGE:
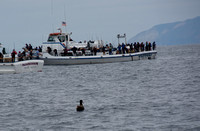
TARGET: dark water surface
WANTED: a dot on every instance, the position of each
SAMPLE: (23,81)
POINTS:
(160,94)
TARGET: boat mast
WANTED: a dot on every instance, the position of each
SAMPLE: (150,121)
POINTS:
(52,15)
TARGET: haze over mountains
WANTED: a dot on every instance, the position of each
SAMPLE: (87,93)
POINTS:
(184,32)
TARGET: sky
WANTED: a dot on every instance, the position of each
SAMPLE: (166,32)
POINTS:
(30,21)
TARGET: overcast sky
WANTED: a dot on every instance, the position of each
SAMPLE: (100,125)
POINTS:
(30,21)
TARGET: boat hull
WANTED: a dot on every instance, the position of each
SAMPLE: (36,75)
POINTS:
(74,60)
(21,67)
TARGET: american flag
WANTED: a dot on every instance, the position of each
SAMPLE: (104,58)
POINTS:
(63,23)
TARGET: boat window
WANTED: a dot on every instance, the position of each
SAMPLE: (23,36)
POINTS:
(51,39)
(61,38)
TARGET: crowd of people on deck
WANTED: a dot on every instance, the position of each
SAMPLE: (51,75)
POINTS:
(28,53)
(107,49)
(136,47)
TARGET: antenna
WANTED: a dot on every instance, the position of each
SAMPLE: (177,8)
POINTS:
(52,15)
(51,7)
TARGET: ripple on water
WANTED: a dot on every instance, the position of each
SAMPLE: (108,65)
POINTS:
(160,94)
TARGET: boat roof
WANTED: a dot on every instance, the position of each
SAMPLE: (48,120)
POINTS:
(52,34)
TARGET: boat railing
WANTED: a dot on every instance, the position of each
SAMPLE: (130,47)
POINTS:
(9,59)
(5,60)
(91,53)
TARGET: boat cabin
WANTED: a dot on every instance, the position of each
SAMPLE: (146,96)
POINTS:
(60,41)
(57,37)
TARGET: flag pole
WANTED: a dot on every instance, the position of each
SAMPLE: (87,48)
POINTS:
(65,18)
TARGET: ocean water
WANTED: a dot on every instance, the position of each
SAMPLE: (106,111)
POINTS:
(146,95)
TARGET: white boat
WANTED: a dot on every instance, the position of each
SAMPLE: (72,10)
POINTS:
(73,60)
(9,67)
(61,41)
(21,66)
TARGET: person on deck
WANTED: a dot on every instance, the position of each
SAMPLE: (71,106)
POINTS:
(23,54)
(154,45)
(26,46)
(149,46)
(119,48)
(126,49)
(110,49)
(4,51)
(20,57)
(104,50)
(1,57)
(55,52)
(13,55)
(37,53)
(131,48)
(138,46)
(123,48)
(49,50)
(40,49)
(31,54)
(142,46)
(30,47)
(74,49)
(83,51)
(134,46)
(65,51)
(95,50)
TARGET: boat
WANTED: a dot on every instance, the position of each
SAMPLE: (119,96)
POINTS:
(21,67)
(53,51)
(74,60)
(9,67)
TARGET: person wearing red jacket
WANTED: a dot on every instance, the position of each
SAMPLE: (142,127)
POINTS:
(13,55)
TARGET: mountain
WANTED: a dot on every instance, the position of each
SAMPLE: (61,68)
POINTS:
(184,32)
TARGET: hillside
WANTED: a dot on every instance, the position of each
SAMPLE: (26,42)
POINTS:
(184,32)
